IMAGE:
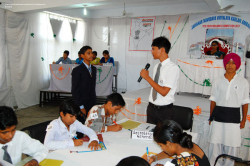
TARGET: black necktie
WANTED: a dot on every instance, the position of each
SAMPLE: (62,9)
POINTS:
(6,155)
(154,94)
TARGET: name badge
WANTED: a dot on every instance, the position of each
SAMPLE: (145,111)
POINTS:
(94,115)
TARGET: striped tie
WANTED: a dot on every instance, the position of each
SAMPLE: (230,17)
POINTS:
(154,94)
(6,155)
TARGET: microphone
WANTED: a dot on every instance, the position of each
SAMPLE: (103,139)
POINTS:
(146,68)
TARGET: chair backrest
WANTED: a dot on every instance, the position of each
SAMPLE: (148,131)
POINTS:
(37,131)
(236,159)
(183,116)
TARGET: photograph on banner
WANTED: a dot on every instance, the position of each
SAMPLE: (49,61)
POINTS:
(218,42)
(141,33)
(229,31)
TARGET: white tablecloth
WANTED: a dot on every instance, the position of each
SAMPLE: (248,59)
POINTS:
(61,78)
(195,73)
(119,145)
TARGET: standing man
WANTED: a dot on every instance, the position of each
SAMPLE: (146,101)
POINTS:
(65,59)
(164,83)
(84,82)
(229,92)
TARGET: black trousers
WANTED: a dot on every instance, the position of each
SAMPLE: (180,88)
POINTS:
(88,105)
(157,114)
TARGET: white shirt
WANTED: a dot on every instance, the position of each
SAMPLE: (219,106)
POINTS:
(59,137)
(169,75)
(23,143)
(230,94)
(96,119)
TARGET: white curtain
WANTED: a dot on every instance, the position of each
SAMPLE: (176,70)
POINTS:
(99,35)
(6,97)
(131,62)
(31,47)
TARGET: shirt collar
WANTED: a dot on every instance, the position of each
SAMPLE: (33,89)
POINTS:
(166,61)
(86,64)
(62,125)
(9,143)
(235,76)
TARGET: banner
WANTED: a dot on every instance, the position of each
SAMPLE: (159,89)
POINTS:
(141,34)
(226,29)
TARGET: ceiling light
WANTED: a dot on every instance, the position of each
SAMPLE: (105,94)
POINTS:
(85,10)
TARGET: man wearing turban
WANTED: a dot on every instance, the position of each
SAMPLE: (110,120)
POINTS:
(229,92)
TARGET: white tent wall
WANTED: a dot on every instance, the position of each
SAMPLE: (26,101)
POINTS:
(6,97)
(28,72)
(99,35)
(131,62)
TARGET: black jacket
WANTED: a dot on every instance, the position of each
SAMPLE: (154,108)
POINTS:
(83,85)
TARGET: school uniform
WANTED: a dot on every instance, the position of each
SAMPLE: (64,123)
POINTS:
(162,107)
(83,86)
(225,134)
(59,137)
(22,143)
(98,120)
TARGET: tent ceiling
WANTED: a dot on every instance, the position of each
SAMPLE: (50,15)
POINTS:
(74,8)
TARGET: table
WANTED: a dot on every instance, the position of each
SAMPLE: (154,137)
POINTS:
(119,145)
(197,75)
(61,78)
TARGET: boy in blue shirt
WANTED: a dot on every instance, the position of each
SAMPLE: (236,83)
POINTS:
(79,60)
(61,132)
(65,59)
(13,143)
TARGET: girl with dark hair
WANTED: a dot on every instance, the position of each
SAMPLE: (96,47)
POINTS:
(174,142)
(61,132)
(106,58)
(216,50)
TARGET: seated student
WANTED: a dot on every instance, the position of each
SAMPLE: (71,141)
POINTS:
(80,59)
(106,58)
(60,132)
(104,121)
(133,161)
(173,141)
(96,60)
(13,143)
(65,59)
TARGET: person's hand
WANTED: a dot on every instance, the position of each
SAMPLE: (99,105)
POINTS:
(209,122)
(32,162)
(114,128)
(150,159)
(84,111)
(54,62)
(144,73)
(94,145)
(242,124)
(78,142)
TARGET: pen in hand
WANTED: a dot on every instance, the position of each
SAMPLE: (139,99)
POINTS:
(147,154)
(74,136)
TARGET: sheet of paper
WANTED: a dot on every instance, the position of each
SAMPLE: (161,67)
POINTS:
(145,127)
(50,162)
(130,124)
